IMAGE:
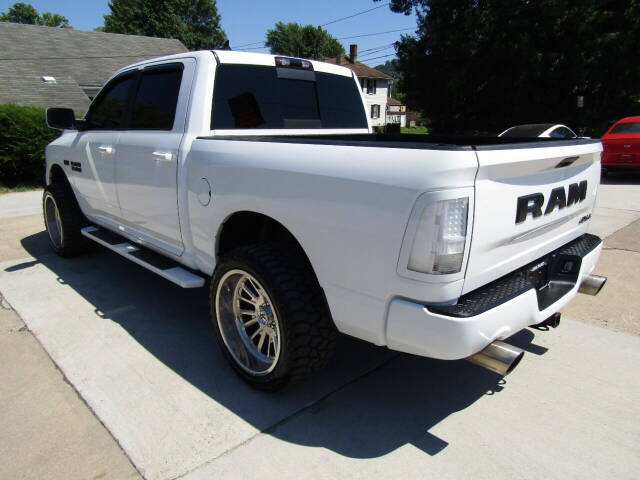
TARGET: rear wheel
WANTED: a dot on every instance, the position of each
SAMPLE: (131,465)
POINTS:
(63,220)
(270,316)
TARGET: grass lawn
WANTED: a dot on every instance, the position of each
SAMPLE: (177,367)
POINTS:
(18,188)
(418,130)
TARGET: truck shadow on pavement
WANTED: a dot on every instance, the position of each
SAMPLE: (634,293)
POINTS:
(384,400)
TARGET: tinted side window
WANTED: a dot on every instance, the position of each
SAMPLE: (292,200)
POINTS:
(108,110)
(155,104)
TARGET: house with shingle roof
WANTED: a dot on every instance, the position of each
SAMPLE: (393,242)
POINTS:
(64,67)
(375,84)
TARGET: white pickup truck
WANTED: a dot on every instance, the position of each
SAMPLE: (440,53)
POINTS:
(261,173)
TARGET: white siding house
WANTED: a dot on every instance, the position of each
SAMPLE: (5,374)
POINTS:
(374,83)
(375,92)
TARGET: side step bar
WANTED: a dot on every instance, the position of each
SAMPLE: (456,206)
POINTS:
(149,259)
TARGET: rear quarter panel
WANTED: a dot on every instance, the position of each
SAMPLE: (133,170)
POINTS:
(347,206)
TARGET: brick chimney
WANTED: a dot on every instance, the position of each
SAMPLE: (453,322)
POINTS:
(353,52)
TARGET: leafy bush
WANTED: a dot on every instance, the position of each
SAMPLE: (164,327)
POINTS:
(23,136)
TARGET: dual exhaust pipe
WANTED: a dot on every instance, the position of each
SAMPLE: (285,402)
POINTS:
(592,284)
(499,357)
(502,358)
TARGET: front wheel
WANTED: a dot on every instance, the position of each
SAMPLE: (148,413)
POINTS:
(63,220)
(270,316)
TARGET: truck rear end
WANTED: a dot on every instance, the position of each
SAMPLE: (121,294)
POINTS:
(528,255)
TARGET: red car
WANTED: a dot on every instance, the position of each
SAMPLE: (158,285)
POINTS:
(622,145)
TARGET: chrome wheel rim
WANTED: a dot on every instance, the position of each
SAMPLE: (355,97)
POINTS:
(52,220)
(248,322)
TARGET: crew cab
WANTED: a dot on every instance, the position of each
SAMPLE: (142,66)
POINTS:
(260,173)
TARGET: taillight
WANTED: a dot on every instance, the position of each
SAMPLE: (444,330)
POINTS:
(441,236)
(286,62)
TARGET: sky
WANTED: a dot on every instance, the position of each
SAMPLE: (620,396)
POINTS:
(246,21)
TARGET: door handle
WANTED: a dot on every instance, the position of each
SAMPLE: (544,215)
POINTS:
(105,149)
(162,156)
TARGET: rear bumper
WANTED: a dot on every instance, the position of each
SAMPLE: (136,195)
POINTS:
(620,160)
(492,312)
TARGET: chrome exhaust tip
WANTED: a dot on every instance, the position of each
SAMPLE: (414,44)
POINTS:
(592,284)
(499,357)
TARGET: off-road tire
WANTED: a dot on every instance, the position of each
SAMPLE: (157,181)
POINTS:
(308,335)
(72,220)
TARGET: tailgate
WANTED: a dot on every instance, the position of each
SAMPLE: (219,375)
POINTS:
(528,202)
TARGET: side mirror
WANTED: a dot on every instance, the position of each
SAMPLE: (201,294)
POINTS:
(61,118)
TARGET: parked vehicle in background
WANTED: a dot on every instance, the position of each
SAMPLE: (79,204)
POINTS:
(261,173)
(621,146)
(543,130)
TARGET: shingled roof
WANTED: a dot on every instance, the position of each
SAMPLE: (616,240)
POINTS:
(75,58)
(87,57)
(361,70)
(31,90)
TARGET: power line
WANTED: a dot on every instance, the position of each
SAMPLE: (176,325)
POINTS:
(377,33)
(354,15)
(382,47)
(375,58)
(369,54)
(341,38)
(247,44)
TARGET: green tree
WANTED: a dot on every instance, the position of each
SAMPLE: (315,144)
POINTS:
(196,23)
(24,13)
(302,41)
(484,65)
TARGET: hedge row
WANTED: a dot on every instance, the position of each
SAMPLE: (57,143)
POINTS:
(23,136)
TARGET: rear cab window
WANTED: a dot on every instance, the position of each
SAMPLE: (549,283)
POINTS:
(268,97)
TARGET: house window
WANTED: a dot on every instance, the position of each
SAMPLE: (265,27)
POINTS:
(375,111)
(371,86)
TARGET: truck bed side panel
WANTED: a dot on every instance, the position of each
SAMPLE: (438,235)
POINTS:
(347,206)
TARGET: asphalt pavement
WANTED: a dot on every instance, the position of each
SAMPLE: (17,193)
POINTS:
(108,371)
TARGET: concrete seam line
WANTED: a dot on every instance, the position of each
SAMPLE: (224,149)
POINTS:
(302,409)
(621,249)
(68,382)
(621,228)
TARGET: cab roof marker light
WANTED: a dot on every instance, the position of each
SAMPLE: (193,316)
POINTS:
(298,63)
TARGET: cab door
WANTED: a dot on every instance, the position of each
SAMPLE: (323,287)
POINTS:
(148,154)
(93,154)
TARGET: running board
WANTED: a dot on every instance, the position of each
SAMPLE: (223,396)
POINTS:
(149,259)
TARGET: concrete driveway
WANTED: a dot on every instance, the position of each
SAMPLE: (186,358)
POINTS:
(141,353)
